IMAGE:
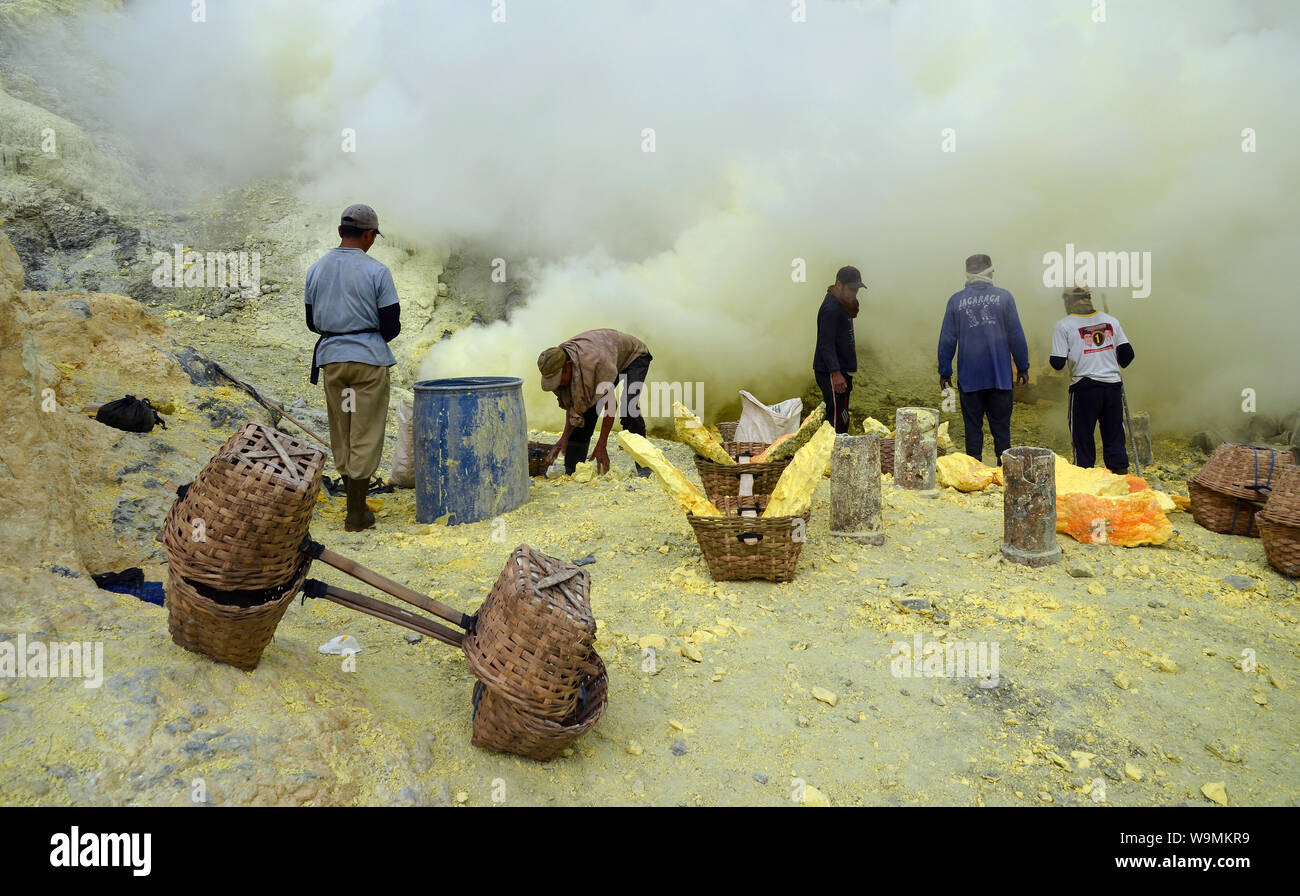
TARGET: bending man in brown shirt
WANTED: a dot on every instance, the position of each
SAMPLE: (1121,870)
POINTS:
(583,373)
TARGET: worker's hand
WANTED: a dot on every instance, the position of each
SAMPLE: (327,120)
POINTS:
(838,383)
(1022,378)
(601,457)
(945,382)
(554,453)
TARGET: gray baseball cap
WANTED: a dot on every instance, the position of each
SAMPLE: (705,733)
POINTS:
(363,217)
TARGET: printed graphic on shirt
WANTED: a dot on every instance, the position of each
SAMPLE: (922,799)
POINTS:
(1097,338)
(979,310)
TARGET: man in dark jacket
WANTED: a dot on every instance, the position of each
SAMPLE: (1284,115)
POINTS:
(836,358)
(982,326)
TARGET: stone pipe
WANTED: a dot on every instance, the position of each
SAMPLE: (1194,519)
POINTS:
(855,489)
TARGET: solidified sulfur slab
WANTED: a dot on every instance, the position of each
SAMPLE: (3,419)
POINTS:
(788,447)
(674,483)
(794,490)
(692,431)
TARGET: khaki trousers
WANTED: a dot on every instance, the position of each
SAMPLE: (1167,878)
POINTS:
(356,395)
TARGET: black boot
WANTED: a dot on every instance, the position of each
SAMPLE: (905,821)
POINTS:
(359,515)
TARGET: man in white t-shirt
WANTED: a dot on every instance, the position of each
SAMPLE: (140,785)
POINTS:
(1096,348)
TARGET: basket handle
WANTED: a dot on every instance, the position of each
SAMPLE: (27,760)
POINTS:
(315,588)
(746,484)
(749,537)
(318,551)
(556,578)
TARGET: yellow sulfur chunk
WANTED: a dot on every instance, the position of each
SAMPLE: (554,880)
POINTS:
(943,440)
(692,431)
(678,487)
(784,448)
(1088,481)
(794,490)
(962,472)
(872,425)
(814,797)
(1166,503)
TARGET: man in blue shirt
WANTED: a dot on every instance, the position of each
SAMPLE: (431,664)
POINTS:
(835,359)
(352,303)
(982,326)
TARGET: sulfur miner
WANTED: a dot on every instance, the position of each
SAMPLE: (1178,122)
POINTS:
(584,373)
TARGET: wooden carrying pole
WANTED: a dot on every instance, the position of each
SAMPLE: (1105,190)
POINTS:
(381,610)
(383,583)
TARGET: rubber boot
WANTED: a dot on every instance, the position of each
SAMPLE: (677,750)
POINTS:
(359,515)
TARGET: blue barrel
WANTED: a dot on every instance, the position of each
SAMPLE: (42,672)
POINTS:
(471,448)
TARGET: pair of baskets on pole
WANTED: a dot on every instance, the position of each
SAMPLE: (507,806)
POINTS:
(1246,490)
(238,546)
(742,544)
(1234,485)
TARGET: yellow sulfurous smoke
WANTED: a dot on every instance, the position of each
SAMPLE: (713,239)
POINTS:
(708,222)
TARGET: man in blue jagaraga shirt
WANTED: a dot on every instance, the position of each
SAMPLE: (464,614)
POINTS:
(982,326)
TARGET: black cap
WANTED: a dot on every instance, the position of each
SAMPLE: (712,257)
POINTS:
(849,276)
(978,264)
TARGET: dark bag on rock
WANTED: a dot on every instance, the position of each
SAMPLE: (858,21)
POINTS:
(130,414)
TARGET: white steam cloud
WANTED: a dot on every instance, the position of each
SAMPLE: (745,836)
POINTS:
(774,140)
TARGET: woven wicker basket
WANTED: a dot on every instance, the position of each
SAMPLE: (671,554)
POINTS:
(1284,500)
(226,632)
(739,547)
(723,480)
(1243,471)
(537,452)
(255,499)
(533,636)
(728,430)
(1281,545)
(1222,513)
(501,725)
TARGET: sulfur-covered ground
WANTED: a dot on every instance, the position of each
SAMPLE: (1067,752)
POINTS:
(1138,685)
(1129,685)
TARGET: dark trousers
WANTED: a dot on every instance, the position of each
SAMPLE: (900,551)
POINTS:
(837,403)
(631,381)
(994,404)
(1091,403)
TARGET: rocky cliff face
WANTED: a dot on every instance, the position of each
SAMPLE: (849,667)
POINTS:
(79,495)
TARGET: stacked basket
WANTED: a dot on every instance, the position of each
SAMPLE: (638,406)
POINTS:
(1233,486)
(743,544)
(232,540)
(725,480)
(1279,523)
(541,683)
